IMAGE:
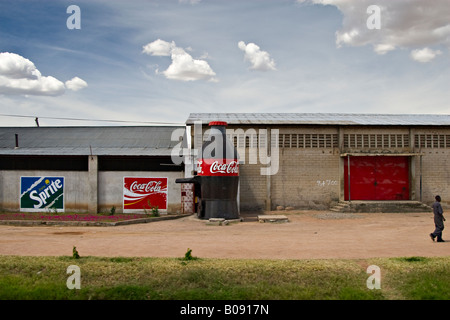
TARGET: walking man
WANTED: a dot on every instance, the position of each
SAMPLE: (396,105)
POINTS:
(438,220)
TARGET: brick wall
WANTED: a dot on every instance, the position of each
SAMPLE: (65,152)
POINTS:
(307,178)
(434,145)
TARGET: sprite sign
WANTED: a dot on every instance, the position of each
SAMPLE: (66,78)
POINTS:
(41,193)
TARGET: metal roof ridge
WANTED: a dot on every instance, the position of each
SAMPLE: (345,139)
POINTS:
(320,113)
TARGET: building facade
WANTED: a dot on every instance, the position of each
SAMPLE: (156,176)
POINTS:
(89,169)
(304,161)
(314,160)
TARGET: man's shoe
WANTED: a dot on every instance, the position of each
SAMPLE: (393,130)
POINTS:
(441,240)
(432,237)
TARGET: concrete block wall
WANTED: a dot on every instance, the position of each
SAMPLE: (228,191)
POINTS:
(435,168)
(76,189)
(435,176)
(376,140)
(307,178)
(252,188)
(80,191)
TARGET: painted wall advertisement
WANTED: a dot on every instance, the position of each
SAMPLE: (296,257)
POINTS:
(144,194)
(42,194)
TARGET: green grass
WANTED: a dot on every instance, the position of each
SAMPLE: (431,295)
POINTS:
(122,278)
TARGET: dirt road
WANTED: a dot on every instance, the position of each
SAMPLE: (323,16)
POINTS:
(307,235)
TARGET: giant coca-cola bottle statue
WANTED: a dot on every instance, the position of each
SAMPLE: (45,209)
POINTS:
(218,168)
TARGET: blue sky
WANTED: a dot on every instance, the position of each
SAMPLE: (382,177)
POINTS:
(157,61)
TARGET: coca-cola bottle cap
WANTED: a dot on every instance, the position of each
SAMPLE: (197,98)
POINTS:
(218,123)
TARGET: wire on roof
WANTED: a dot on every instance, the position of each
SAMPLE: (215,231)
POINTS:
(93,120)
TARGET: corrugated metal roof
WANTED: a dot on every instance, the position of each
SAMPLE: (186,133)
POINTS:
(323,119)
(149,141)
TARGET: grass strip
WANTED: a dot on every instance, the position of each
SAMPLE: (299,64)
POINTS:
(121,278)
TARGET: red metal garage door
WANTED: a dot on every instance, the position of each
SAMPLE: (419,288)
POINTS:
(377,178)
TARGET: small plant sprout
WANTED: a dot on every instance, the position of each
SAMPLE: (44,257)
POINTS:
(75,254)
(188,255)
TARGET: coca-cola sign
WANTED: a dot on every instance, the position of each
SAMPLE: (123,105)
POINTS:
(151,186)
(212,167)
(144,193)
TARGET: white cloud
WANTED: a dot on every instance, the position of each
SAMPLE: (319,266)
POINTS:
(16,67)
(260,60)
(76,84)
(183,67)
(19,75)
(189,1)
(186,68)
(424,55)
(403,24)
(383,48)
(159,48)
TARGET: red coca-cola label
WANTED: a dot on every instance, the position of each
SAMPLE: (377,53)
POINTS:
(144,193)
(214,167)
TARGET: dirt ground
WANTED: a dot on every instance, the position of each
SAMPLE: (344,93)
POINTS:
(307,235)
